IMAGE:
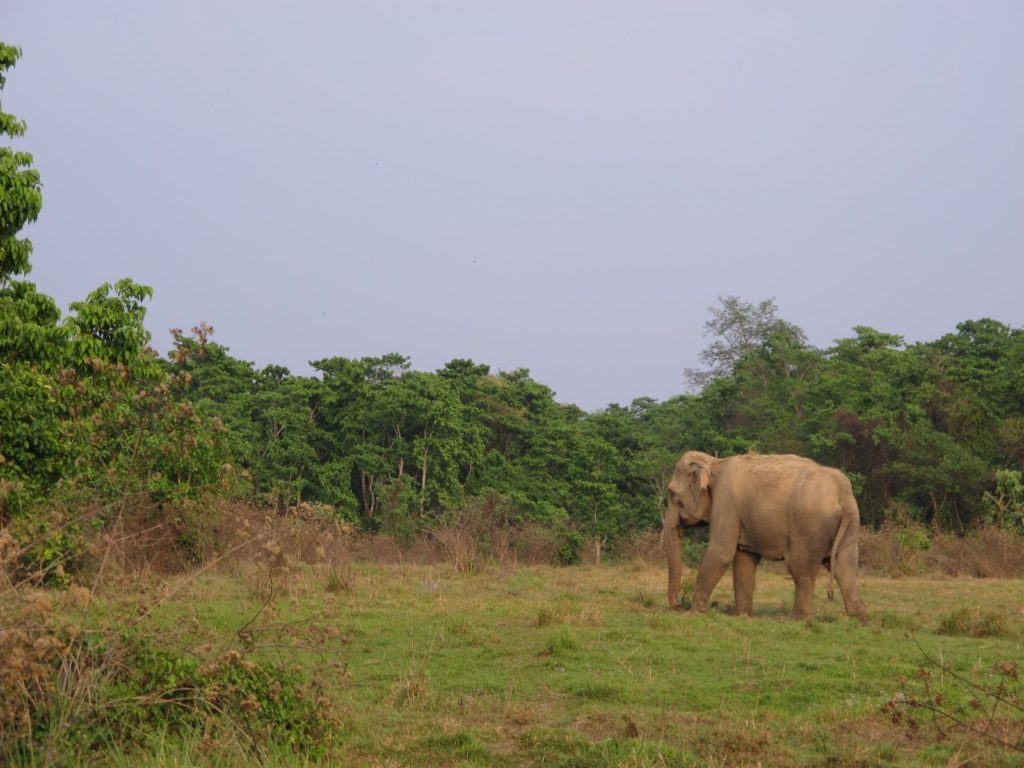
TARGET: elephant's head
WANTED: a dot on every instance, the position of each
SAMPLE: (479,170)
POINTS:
(689,503)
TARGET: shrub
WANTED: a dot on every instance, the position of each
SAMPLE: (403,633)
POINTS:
(989,552)
(642,545)
(98,690)
(570,547)
(459,547)
(535,545)
(1005,507)
(894,549)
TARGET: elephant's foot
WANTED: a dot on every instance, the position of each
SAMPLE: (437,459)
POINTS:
(700,605)
(860,614)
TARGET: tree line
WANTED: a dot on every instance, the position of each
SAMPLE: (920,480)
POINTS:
(929,431)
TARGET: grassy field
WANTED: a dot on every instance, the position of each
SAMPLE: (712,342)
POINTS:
(586,666)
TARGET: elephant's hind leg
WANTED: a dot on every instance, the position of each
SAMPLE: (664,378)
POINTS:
(804,571)
(846,575)
(744,569)
(803,604)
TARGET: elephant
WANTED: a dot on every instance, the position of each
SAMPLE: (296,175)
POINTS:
(781,507)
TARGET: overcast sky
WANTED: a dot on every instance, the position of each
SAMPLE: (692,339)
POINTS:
(559,186)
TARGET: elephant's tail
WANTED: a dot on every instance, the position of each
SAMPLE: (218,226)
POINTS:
(848,506)
(832,557)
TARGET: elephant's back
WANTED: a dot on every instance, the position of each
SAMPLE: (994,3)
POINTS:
(768,479)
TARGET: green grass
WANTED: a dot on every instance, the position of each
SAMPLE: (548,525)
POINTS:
(587,666)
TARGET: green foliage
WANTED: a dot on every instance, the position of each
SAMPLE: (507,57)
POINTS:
(570,547)
(913,538)
(1004,507)
(20,188)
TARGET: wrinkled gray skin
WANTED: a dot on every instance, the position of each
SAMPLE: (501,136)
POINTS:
(779,507)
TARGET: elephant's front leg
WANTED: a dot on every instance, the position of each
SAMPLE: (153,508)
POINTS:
(744,569)
(712,568)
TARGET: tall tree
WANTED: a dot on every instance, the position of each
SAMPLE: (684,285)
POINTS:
(738,329)
(21,195)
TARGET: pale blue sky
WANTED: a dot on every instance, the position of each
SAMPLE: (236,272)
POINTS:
(560,186)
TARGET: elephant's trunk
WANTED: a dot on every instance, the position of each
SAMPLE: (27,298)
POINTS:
(670,536)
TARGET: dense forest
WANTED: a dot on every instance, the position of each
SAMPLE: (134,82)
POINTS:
(91,416)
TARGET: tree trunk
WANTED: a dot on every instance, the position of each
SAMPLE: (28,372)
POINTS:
(423,481)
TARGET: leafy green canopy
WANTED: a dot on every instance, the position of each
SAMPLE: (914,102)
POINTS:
(20,189)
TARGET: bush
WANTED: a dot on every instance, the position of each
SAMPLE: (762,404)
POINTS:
(99,690)
(896,550)
(535,545)
(642,545)
(459,546)
(570,547)
(1005,507)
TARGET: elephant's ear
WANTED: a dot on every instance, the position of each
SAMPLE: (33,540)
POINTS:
(701,485)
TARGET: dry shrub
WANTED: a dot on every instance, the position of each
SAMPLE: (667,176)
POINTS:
(893,550)
(480,534)
(117,688)
(535,545)
(459,546)
(412,687)
(424,550)
(298,537)
(990,553)
(901,550)
(503,548)
(643,545)
(277,543)
(474,537)
(30,649)
(377,548)
(137,534)
(71,535)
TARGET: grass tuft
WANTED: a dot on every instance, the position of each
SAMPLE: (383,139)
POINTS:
(594,691)
(968,622)
(560,642)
